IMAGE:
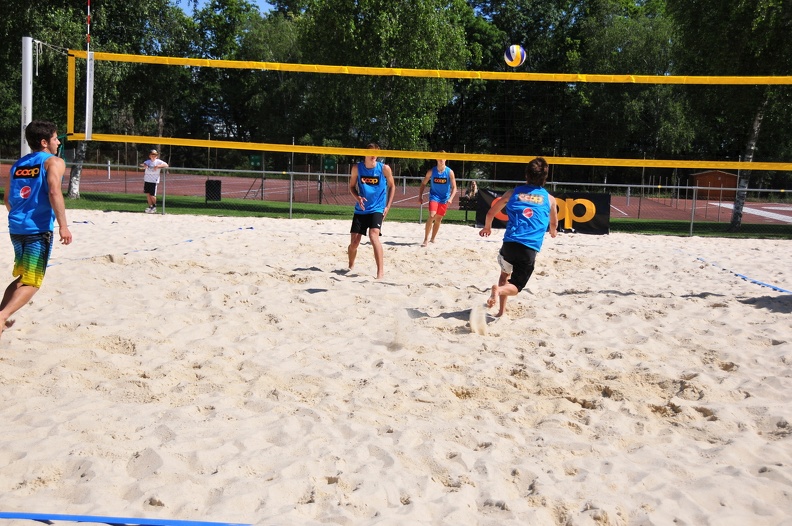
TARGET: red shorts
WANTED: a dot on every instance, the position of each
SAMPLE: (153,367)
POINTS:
(438,208)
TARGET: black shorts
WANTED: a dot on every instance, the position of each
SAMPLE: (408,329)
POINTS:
(149,188)
(362,222)
(522,260)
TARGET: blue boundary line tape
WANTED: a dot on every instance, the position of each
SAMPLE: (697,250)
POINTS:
(750,280)
(48,518)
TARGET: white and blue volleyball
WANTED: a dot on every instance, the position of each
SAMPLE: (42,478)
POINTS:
(514,55)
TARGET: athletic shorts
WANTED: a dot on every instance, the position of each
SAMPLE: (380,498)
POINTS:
(362,222)
(438,208)
(150,188)
(31,255)
(518,260)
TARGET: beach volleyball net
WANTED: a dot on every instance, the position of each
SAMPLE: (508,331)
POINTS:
(306,176)
(97,59)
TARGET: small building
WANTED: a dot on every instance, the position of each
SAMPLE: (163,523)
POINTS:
(716,184)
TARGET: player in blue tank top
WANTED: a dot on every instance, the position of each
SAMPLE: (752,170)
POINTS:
(34,201)
(371,188)
(531,212)
(442,189)
(371,184)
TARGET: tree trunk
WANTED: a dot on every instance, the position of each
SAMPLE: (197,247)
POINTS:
(745,175)
(76,171)
(160,124)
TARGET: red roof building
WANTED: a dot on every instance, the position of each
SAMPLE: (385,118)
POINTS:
(715,184)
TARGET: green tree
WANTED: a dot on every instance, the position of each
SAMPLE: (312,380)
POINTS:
(397,112)
(133,98)
(461,123)
(271,100)
(737,37)
(219,95)
(526,117)
(625,120)
(127,98)
(289,7)
(59,24)
(137,98)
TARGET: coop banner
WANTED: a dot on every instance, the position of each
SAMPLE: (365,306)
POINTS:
(485,200)
(586,213)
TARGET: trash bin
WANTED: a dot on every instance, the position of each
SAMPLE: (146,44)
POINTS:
(213,190)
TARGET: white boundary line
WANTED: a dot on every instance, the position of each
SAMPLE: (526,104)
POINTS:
(760,213)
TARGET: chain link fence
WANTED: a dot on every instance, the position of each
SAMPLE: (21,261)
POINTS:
(649,208)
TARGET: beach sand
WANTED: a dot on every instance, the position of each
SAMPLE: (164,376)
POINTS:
(231,369)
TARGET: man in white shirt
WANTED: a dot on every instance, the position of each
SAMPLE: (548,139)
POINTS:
(151,179)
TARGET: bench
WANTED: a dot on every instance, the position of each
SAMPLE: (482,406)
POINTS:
(468,203)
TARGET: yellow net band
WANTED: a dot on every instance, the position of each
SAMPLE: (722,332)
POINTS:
(436,73)
(449,156)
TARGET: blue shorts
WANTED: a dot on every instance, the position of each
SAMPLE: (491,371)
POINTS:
(31,255)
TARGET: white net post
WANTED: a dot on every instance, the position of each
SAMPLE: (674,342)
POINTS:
(27,90)
(89,89)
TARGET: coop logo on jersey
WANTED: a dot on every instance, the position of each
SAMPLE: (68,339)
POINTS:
(440,180)
(370,180)
(25,192)
(531,198)
(27,172)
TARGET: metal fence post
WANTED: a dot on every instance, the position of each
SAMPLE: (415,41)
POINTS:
(291,192)
(164,178)
(693,209)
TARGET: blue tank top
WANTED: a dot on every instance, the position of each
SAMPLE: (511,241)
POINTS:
(529,216)
(373,186)
(440,187)
(31,212)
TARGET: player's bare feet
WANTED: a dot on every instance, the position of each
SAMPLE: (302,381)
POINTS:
(493,296)
(423,245)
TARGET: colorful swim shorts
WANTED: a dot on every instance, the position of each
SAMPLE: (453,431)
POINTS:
(31,255)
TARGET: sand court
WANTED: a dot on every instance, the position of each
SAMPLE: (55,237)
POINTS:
(232,369)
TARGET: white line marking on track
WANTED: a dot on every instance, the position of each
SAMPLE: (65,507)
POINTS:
(760,213)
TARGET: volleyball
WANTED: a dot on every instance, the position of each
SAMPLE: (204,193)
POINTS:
(514,55)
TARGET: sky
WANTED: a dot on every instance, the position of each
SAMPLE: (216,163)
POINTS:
(263,6)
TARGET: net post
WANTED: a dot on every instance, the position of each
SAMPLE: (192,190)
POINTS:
(693,209)
(27,90)
(70,90)
(89,91)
